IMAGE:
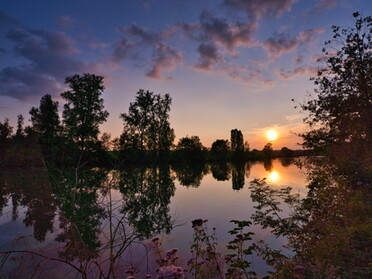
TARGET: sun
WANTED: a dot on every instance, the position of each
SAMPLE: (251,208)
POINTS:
(271,135)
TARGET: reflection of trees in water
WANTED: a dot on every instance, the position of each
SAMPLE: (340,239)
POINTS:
(190,174)
(268,165)
(238,176)
(32,190)
(80,212)
(146,194)
(286,162)
(221,171)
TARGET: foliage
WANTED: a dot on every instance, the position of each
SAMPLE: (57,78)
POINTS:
(45,120)
(6,131)
(20,129)
(205,261)
(220,149)
(189,149)
(238,264)
(84,110)
(146,125)
(268,150)
(340,114)
(237,144)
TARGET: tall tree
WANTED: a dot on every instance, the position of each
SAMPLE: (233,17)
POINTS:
(341,111)
(5,130)
(237,142)
(268,150)
(20,122)
(84,109)
(220,149)
(146,125)
(45,119)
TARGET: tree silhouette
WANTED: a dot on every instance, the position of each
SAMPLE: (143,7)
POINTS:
(45,119)
(146,125)
(6,131)
(189,149)
(268,150)
(220,149)
(84,110)
(341,112)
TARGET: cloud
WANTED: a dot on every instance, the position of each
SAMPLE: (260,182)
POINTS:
(298,71)
(49,58)
(165,59)
(257,9)
(321,6)
(123,49)
(222,33)
(208,56)
(146,36)
(6,19)
(299,59)
(281,43)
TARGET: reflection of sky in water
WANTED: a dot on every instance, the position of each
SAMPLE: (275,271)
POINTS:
(213,200)
(217,202)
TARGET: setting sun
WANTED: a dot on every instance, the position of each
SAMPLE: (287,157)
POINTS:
(272,135)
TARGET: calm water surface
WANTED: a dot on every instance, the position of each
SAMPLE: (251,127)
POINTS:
(37,207)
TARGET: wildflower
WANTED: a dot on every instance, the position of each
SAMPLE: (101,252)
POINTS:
(170,272)
(197,223)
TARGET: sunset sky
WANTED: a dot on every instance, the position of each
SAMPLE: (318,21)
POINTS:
(226,63)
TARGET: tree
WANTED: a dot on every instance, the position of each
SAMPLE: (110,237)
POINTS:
(237,144)
(84,109)
(146,125)
(5,130)
(341,112)
(20,130)
(268,150)
(220,149)
(45,120)
(189,149)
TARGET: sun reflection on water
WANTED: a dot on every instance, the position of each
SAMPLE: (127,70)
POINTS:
(274,176)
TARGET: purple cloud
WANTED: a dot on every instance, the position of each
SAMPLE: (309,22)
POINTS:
(321,6)
(218,31)
(258,9)
(123,48)
(146,36)
(165,59)
(298,71)
(49,59)
(281,43)
(208,56)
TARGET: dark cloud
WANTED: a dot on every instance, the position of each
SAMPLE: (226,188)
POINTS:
(123,48)
(49,58)
(146,36)
(6,19)
(321,6)
(208,56)
(281,43)
(165,59)
(222,33)
(257,9)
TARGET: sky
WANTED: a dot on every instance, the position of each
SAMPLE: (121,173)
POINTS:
(227,64)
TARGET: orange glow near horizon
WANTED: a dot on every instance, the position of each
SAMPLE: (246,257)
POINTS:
(272,135)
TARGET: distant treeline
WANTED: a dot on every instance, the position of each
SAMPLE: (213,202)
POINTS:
(147,135)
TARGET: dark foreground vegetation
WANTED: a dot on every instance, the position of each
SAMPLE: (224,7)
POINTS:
(329,232)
